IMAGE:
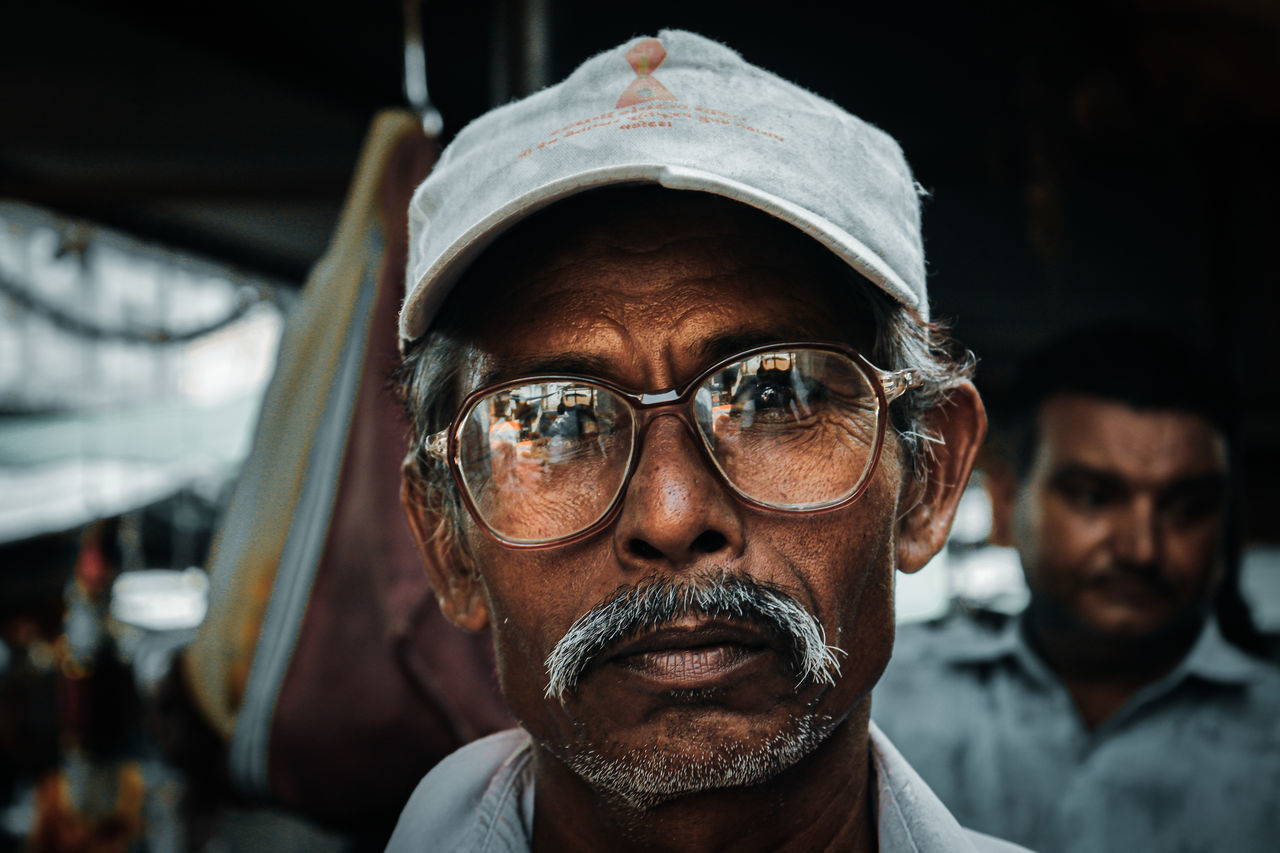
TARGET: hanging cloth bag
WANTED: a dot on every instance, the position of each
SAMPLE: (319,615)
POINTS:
(325,663)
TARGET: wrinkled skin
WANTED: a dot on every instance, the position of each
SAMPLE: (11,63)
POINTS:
(648,302)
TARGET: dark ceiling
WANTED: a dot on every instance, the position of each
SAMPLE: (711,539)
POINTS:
(1088,160)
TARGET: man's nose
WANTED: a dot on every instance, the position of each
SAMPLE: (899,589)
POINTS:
(676,513)
(1137,531)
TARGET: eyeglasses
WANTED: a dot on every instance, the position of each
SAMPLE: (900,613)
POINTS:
(794,427)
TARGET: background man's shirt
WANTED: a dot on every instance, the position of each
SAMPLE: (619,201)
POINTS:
(1191,763)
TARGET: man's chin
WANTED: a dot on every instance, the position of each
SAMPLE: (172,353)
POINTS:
(1123,624)
(1140,630)
(1094,618)
(1122,619)
(700,756)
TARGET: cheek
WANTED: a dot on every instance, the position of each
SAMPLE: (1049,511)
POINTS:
(844,564)
(516,587)
(533,598)
(518,646)
(1194,555)
(862,617)
(1061,540)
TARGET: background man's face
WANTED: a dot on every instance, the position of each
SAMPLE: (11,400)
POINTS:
(1120,520)
(648,303)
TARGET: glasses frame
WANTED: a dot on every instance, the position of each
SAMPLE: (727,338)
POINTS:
(678,402)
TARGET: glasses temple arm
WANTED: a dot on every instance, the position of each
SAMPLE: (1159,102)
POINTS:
(898,382)
(437,445)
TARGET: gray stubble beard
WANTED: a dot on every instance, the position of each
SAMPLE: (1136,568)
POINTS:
(644,777)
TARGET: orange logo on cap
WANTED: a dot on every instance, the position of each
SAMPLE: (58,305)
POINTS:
(644,58)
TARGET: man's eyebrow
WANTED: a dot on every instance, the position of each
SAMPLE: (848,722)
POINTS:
(728,343)
(502,369)
(1208,479)
(709,349)
(1211,480)
(1080,471)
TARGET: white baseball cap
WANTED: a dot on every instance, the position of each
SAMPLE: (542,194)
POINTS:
(687,113)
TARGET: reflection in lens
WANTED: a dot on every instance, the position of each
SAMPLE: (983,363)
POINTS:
(545,460)
(792,429)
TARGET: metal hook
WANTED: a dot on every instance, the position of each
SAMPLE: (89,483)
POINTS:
(415,70)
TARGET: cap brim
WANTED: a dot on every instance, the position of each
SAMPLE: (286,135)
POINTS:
(427,294)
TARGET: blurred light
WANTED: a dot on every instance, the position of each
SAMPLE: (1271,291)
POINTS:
(128,371)
(974,514)
(923,595)
(991,578)
(1260,585)
(161,599)
(143,301)
(231,361)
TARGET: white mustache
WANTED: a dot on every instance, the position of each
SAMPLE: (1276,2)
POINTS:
(656,601)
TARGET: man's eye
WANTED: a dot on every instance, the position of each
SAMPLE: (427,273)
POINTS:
(1088,496)
(773,396)
(1191,505)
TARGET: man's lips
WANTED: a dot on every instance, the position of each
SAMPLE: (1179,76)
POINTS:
(1131,588)
(693,653)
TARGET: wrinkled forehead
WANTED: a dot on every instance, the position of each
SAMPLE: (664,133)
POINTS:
(632,255)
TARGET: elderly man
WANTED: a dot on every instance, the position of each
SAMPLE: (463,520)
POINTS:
(1121,710)
(721,274)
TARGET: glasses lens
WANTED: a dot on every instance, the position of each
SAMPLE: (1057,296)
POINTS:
(545,460)
(793,429)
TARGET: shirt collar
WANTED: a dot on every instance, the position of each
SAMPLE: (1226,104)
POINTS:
(980,645)
(909,816)
(1212,658)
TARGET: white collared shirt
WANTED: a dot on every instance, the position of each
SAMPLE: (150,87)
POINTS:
(480,800)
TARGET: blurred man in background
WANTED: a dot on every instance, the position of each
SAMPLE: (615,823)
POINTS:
(1122,710)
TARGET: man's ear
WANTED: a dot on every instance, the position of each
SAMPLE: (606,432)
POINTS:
(960,422)
(450,570)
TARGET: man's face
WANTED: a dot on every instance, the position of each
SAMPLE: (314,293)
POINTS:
(1120,520)
(648,304)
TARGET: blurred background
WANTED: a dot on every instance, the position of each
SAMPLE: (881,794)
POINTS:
(169,175)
